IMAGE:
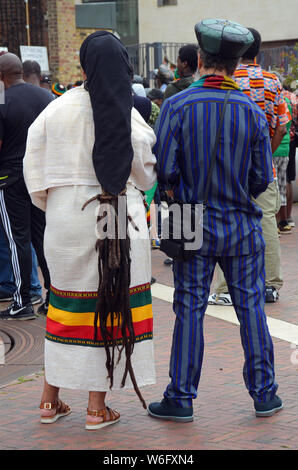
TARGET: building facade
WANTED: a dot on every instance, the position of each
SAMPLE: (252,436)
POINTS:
(62,25)
(151,28)
(174,20)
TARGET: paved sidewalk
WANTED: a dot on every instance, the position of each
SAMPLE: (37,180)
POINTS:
(224,414)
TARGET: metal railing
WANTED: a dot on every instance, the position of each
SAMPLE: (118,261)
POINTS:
(148,56)
(13,21)
(276,57)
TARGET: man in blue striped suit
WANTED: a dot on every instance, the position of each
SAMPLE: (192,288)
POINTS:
(232,233)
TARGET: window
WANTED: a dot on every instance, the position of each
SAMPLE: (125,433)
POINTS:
(127,25)
(165,3)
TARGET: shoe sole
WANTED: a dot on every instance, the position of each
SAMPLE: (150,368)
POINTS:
(267,414)
(20,319)
(271,301)
(225,304)
(177,419)
(93,427)
(54,418)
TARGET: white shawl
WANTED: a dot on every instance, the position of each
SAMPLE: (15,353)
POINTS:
(60,143)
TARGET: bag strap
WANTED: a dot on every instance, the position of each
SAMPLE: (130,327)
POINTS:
(213,156)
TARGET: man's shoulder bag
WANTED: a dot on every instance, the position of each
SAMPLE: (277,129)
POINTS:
(174,244)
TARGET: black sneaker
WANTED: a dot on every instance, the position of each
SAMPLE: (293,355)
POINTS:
(43,309)
(5,296)
(36,299)
(16,312)
(264,410)
(271,295)
(284,228)
(164,410)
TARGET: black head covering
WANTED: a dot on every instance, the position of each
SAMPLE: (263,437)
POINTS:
(143,105)
(105,61)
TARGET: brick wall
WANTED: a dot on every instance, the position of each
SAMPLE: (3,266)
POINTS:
(64,41)
(52,37)
(52,24)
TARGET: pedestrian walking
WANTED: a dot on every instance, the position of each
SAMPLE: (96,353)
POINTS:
(280,161)
(265,90)
(95,146)
(187,64)
(32,72)
(163,76)
(21,220)
(291,168)
(232,234)
(7,283)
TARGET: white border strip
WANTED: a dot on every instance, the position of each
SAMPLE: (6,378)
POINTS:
(13,248)
(278,328)
(2,352)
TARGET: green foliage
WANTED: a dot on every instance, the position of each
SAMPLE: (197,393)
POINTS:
(293,67)
(22,380)
(292,73)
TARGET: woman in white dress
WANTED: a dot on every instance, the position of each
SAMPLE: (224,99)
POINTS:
(89,139)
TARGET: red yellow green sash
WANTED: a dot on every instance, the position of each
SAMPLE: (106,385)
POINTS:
(70,318)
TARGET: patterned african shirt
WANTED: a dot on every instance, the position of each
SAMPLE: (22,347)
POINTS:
(294,103)
(265,90)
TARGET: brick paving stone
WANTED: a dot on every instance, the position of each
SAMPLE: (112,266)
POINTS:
(224,414)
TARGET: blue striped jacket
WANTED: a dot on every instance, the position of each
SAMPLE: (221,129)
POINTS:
(186,130)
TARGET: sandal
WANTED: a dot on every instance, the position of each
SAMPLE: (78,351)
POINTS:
(62,409)
(113,417)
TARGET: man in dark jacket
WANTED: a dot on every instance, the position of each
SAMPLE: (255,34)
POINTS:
(22,222)
(187,64)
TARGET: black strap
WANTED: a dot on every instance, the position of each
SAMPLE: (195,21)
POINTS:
(213,157)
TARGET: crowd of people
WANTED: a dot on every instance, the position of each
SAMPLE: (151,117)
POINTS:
(69,156)
(12,267)
(280,103)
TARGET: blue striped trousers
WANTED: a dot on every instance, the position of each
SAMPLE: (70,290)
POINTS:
(245,277)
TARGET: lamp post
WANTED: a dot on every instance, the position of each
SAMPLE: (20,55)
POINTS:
(27,22)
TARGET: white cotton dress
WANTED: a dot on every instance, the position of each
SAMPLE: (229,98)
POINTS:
(60,178)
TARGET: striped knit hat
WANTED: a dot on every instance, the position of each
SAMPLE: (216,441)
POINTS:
(58,89)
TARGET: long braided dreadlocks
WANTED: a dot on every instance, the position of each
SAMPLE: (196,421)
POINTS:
(105,62)
(113,290)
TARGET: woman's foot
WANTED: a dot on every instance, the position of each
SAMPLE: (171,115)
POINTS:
(51,411)
(97,419)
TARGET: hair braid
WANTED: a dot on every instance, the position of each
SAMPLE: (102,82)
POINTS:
(113,300)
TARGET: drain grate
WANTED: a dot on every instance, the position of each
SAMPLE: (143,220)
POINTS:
(23,344)
(8,341)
